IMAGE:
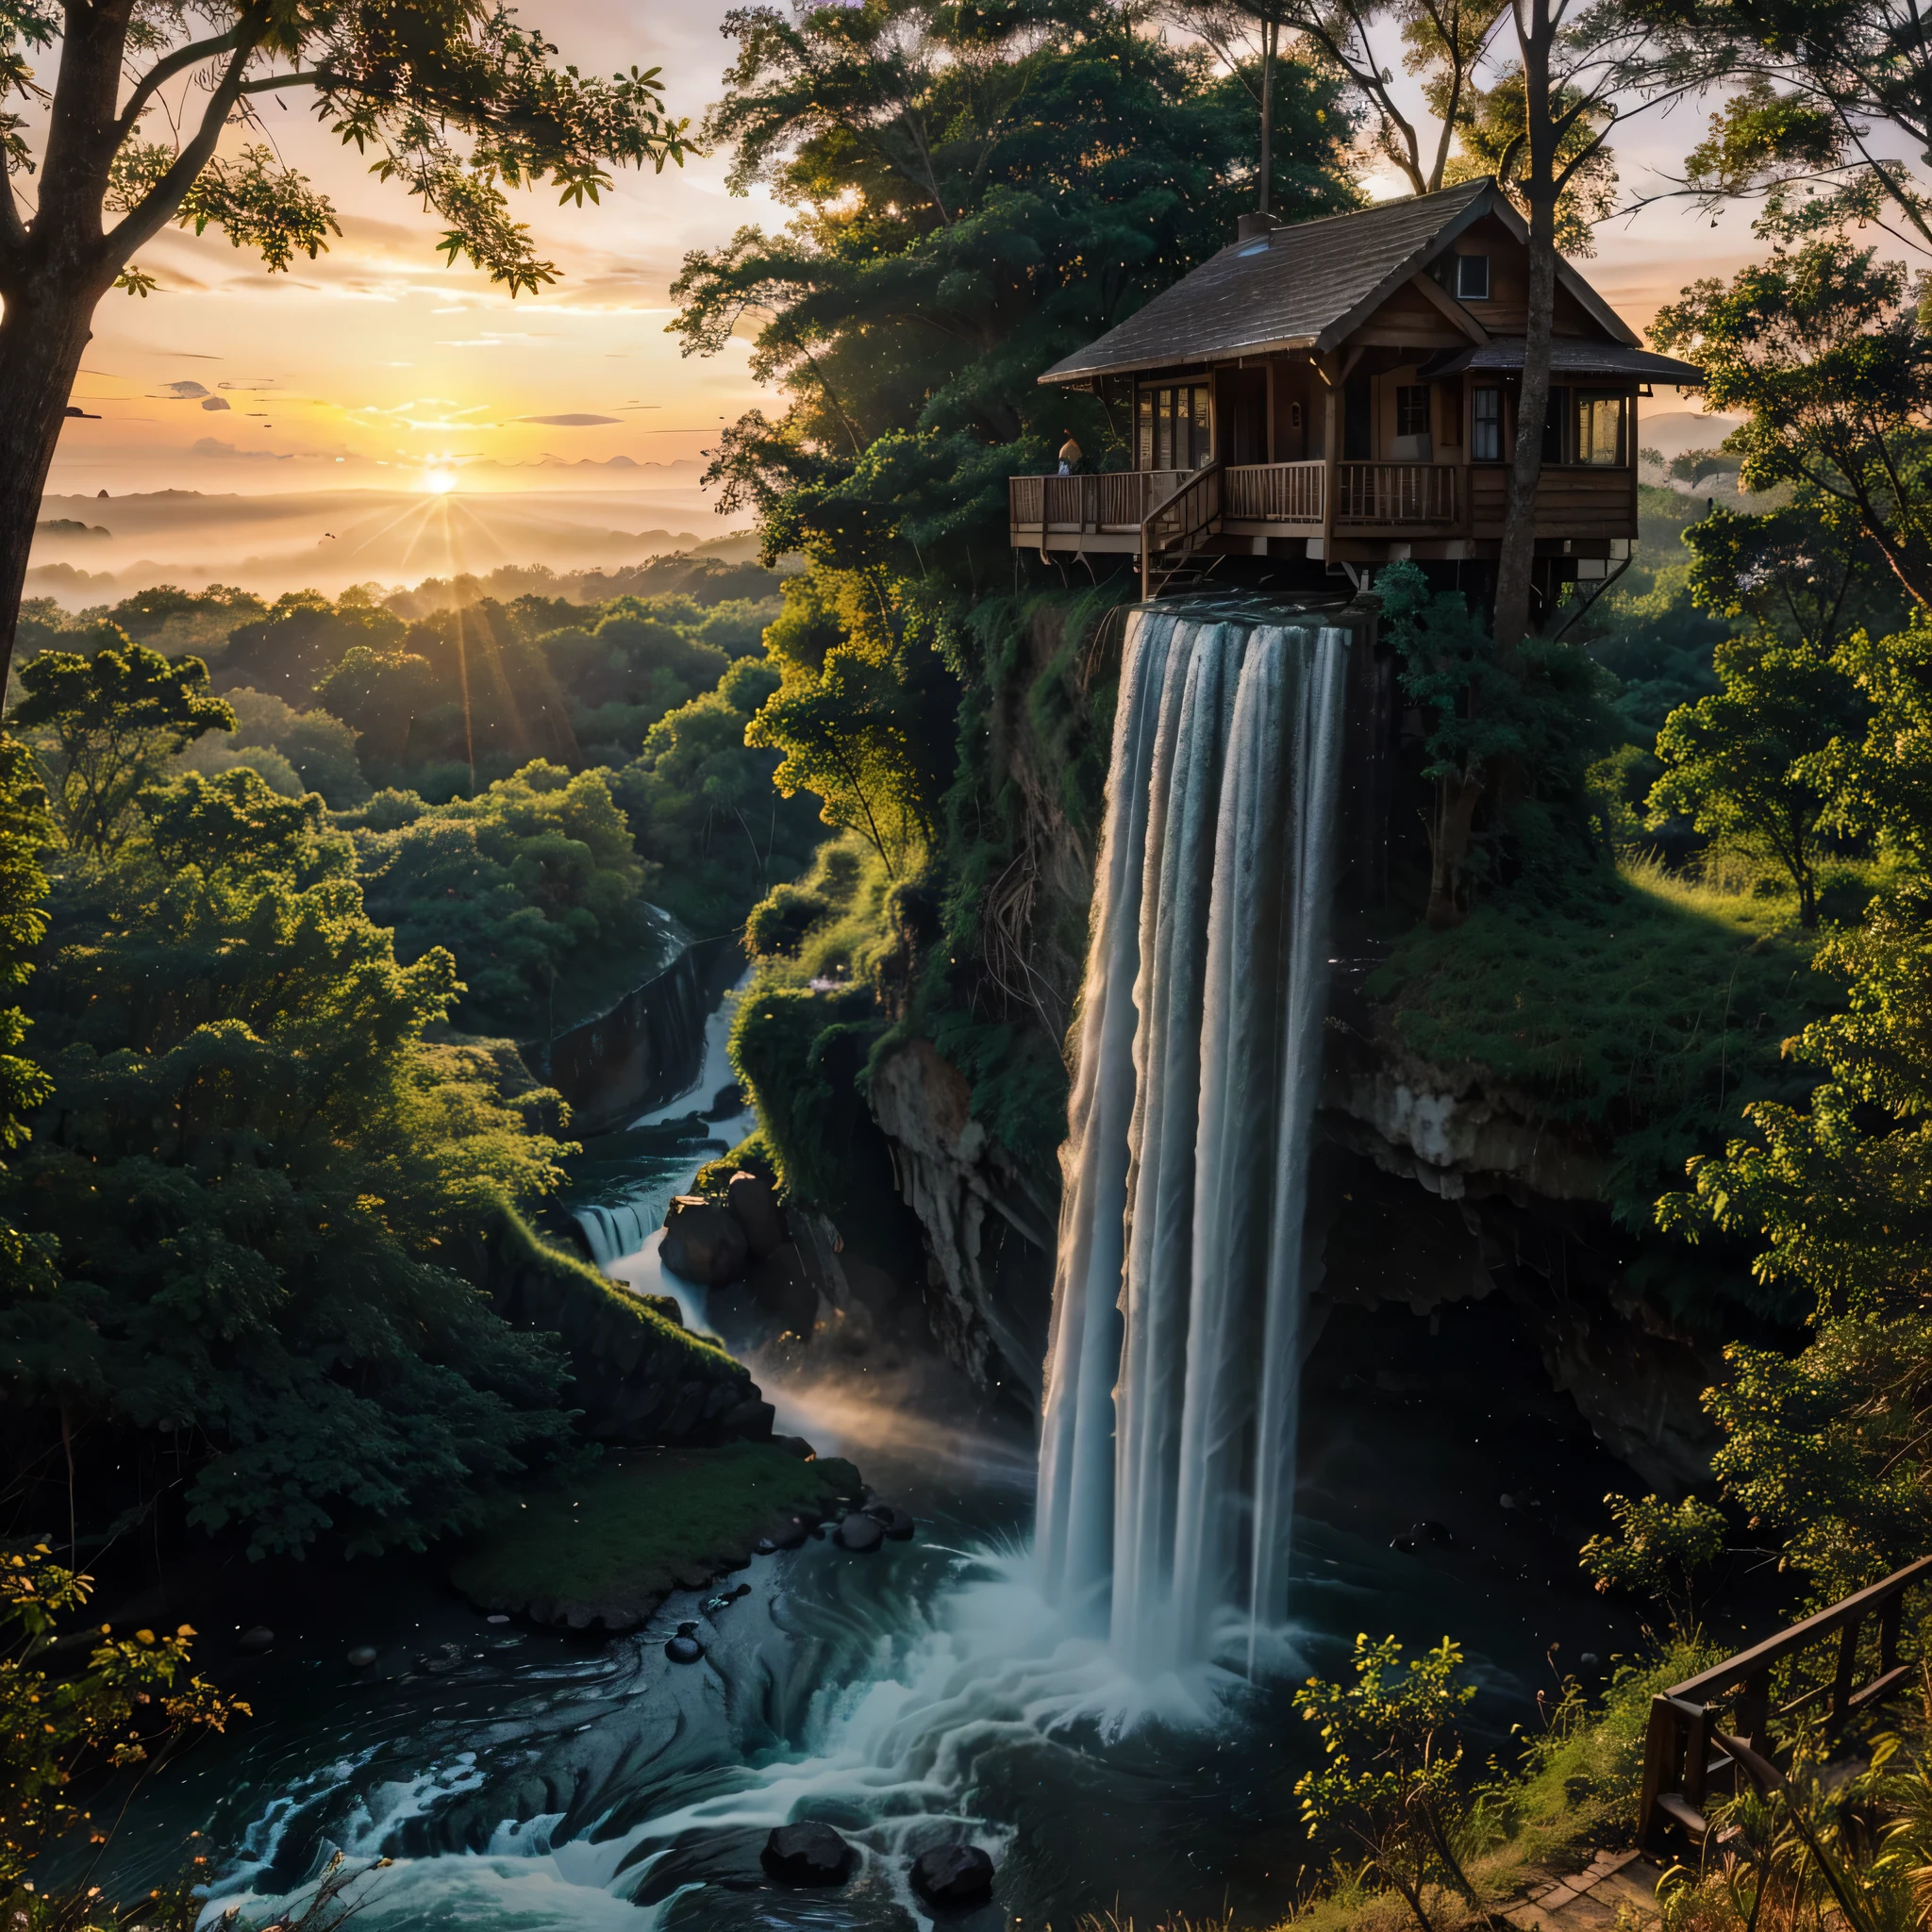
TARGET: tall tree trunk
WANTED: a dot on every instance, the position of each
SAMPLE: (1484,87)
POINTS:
(1270,33)
(43,333)
(1518,553)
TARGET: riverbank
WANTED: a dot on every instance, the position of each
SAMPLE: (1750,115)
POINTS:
(606,1547)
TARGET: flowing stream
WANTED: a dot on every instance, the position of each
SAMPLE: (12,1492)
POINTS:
(1109,1713)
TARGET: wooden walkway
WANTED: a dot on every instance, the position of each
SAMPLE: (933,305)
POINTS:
(1613,1885)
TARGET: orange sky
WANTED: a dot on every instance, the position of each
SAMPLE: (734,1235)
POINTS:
(377,365)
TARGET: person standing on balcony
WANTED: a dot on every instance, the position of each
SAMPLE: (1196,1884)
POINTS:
(1070,455)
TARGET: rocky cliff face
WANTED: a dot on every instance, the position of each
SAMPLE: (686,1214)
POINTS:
(989,1227)
(1436,1186)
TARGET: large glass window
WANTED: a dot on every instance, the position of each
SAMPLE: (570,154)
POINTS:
(1602,435)
(1411,408)
(1486,425)
(1173,428)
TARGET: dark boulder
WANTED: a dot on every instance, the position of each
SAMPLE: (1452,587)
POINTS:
(809,1854)
(895,1522)
(254,1640)
(859,1532)
(952,1875)
(703,1241)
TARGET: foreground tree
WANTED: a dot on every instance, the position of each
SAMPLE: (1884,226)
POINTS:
(1823,350)
(1828,1450)
(1386,1787)
(455,103)
(1754,764)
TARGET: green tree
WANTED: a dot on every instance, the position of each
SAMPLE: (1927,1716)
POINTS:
(108,724)
(248,1178)
(455,106)
(1822,352)
(518,884)
(702,805)
(1755,765)
(1388,1786)
(1827,1449)
(1656,1552)
(1514,732)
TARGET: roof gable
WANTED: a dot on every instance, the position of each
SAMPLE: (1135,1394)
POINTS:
(1309,285)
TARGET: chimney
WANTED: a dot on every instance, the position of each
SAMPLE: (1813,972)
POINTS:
(1254,224)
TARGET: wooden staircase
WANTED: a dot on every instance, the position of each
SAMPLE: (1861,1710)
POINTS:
(1173,529)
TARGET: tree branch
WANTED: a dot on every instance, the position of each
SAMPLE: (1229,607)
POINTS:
(158,207)
(164,71)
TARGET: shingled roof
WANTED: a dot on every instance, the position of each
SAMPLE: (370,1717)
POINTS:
(1307,285)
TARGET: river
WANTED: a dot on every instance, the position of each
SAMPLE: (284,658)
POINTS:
(524,1780)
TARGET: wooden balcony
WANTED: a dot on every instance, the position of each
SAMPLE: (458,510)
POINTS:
(1445,506)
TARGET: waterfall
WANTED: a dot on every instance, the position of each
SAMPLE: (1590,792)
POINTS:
(1167,1453)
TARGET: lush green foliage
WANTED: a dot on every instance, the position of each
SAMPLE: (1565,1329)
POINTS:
(133,1704)
(1826,1450)
(702,803)
(1656,1552)
(1823,353)
(1536,715)
(245,1179)
(1751,764)
(957,180)
(105,725)
(518,884)
(1388,1786)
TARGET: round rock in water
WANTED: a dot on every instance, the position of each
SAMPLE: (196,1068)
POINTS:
(952,1875)
(255,1640)
(684,1650)
(362,1657)
(899,1527)
(809,1854)
(859,1532)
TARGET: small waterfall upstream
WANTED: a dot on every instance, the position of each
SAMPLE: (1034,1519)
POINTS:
(1167,1453)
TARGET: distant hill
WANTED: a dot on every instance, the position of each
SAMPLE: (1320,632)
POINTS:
(1676,430)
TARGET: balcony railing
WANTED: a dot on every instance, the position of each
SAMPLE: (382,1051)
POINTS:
(1395,492)
(1275,492)
(1291,497)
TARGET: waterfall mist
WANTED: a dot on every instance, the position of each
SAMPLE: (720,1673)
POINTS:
(1166,1467)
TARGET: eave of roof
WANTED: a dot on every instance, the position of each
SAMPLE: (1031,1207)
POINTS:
(1568,356)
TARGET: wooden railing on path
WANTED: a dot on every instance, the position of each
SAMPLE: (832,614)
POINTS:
(1683,1761)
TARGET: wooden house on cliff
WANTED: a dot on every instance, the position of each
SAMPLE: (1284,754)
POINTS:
(1344,391)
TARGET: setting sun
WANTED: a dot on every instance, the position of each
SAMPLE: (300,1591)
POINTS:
(439,482)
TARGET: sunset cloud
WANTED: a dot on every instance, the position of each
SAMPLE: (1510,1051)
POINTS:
(567,422)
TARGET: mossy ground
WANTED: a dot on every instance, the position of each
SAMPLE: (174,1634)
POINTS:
(614,1541)
(1651,1011)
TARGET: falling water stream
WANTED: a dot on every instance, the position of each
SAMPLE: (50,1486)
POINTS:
(1108,1713)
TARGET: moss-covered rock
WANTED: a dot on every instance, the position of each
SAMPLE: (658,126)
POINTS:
(607,1547)
(637,1374)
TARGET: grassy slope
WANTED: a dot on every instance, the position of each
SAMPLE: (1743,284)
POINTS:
(619,1534)
(1650,1013)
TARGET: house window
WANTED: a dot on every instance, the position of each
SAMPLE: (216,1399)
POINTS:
(1173,428)
(1486,426)
(1601,435)
(1471,277)
(1411,408)
(1553,422)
